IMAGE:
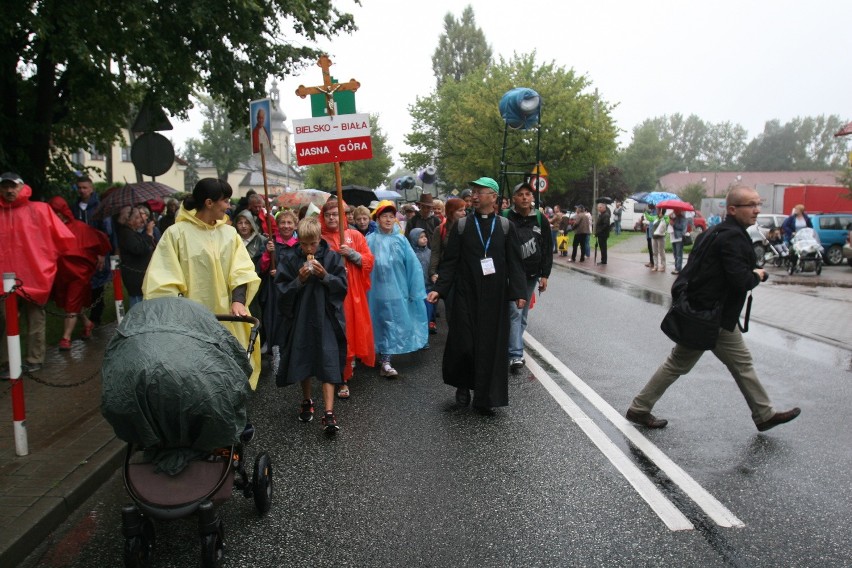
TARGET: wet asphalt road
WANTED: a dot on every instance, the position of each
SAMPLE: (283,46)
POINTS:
(413,480)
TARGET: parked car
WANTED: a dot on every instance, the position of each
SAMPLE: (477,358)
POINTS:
(833,231)
(847,249)
(699,224)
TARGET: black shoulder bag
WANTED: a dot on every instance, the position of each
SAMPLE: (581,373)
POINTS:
(695,329)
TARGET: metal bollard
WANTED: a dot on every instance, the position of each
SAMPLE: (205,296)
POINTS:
(13,340)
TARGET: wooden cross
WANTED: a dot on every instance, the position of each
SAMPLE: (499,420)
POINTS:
(327,88)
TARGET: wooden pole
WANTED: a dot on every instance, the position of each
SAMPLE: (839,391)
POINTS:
(341,211)
(265,191)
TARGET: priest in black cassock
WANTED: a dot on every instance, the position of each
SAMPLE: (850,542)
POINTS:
(482,264)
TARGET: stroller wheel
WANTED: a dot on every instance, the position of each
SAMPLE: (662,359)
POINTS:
(262,483)
(213,548)
(139,549)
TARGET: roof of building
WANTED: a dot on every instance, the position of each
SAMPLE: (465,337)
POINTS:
(721,181)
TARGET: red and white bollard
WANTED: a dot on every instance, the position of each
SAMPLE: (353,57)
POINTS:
(13,340)
(118,291)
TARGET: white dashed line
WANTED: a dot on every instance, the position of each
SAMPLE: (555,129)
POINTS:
(714,509)
(673,518)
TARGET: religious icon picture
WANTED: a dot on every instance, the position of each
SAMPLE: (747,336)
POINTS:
(260,112)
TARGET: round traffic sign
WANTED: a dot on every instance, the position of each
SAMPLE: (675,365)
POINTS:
(541,184)
(152,154)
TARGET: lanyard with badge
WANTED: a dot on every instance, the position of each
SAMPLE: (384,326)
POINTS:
(486,262)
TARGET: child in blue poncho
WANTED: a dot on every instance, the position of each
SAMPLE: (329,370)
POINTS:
(420,243)
(397,295)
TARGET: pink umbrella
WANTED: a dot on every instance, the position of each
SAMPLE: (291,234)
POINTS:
(675,204)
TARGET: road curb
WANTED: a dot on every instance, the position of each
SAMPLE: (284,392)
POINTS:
(667,295)
(50,511)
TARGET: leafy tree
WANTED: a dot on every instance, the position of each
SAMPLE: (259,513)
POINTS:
(461,48)
(802,144)
(673,143)
(220,144)
(71,73)
(641,161)
(460,127)
(693,193)
(681,144)
(368,173)
(723,147)
(190,153)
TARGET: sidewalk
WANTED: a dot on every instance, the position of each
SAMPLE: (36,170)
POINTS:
(73,451)
(774,301)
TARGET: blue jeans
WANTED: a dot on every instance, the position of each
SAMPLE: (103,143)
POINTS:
(518,322)
(430,311)
(617,226)
(677,250)
(133,300)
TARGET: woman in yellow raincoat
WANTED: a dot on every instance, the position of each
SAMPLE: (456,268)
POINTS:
(203,258)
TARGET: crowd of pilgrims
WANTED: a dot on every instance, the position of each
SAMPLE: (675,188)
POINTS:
(324,305)
(326,298)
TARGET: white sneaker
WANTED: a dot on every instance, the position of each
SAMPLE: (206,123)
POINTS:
(516,364)
(387,370)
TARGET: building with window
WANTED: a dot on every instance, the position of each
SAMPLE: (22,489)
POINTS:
(114,166)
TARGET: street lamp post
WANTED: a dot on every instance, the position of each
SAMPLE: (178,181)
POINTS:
(595,162)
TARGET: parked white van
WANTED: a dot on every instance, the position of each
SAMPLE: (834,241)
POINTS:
(633,211)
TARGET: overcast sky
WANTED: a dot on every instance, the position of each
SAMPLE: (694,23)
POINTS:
(744,61)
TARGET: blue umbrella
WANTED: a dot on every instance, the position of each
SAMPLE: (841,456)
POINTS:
(655,197)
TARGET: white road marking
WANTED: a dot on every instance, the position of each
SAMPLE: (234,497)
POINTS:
(714,509)
(673,518)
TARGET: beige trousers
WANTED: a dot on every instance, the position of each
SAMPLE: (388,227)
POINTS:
(658,248)
(730,350)
(35,332)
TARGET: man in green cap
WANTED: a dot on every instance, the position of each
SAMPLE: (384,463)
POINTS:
(482,265)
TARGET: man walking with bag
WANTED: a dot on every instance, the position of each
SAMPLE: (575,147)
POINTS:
(720,275)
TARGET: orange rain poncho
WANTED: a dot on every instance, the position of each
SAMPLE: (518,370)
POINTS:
(359,327)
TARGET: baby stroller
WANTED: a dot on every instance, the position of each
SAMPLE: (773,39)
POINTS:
(805,252)
(771,250)
(175,387)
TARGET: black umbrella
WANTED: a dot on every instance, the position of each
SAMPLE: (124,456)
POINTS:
(356,195)
(604,199)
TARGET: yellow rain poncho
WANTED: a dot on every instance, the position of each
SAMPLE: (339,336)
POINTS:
(204,263)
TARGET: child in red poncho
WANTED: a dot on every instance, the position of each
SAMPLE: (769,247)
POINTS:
(359,265)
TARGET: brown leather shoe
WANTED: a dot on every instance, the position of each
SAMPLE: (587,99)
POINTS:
(646,419)
(779,418)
